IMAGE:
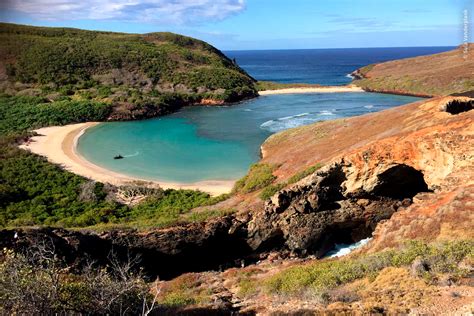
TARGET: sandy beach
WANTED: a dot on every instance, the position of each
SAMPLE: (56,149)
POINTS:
(329,89)
(58,145)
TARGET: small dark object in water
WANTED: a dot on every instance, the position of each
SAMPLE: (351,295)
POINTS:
(118,157)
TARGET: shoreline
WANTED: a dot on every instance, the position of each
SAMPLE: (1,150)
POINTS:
(302,90)
(59,145)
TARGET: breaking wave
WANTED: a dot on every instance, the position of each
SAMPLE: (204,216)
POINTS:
(287,122)
(344,249)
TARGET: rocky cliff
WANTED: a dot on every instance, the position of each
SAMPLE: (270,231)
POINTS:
(397,175)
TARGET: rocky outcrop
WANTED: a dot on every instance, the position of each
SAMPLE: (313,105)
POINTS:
(165,253)
(305,219)
(396,175)
(320,211)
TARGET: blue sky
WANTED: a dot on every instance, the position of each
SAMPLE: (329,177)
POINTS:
(262,24)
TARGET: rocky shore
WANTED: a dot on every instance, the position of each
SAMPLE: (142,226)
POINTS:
(397,175)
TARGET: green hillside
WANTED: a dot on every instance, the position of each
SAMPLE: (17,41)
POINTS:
(134,73)
(57,76)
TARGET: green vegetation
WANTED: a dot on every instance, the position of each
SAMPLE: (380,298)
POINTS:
(35,192)
(168,207)
(259,176)
(270,85)
(186,289)
(327,274)
(59,76)
(117,67)
(19,114)
(271,189)
(303,174)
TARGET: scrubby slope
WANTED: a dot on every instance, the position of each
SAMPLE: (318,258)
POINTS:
(127,70)
(432,75)
(405,172)
(419,155)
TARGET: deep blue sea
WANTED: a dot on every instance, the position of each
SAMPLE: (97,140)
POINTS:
(323,66)
(220,143)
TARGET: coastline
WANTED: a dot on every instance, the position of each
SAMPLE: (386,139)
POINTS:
(328,89)
(59,145)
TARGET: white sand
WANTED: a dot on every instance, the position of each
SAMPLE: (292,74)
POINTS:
(58,145)
(328,89)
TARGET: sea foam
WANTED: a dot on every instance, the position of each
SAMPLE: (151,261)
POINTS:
(344,249)
(292,121)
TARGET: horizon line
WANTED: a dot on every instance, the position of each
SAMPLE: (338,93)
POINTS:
(224,49)
(323,48)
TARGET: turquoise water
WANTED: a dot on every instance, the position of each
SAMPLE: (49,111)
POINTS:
(216,143)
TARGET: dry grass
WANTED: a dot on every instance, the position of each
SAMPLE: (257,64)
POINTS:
(395,290)
(433,75)
(187,289)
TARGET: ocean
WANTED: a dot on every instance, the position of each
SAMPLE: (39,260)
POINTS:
(322,66)
(220,143)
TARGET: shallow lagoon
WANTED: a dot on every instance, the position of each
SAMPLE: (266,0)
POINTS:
(216,143)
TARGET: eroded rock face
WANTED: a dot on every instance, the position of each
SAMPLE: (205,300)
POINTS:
(307,218)
(319,211)
(166,253)
(414,167)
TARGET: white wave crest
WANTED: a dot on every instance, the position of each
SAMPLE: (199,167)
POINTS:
(132,155)
(326,112)
(287,122)
(344,249)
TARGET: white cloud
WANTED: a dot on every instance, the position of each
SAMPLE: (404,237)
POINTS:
(155,11)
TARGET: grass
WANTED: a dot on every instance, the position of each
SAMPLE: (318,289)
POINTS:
(328,274)
(187,289)
(271,189)
(303,174)
(258,177)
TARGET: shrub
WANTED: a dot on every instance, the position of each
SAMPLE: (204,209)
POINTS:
(38,282)
(327,274)
(303,174)
(72,58)
(259,176)
(184,290)
(270,190)
(18,114)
